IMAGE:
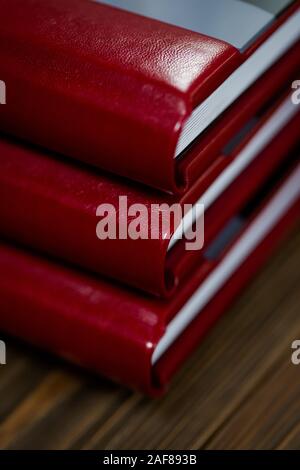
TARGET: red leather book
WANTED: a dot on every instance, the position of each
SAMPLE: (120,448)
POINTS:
(129,92)
(50,205)
(126,336)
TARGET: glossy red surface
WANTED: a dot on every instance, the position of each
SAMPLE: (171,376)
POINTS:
(50,205)
(105,328)
(103,85)
(108,87)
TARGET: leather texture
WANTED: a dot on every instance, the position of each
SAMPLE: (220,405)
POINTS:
(108,87)
(95,324)
(103,85)
(52,208)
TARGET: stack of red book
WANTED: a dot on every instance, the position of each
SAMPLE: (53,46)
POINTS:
(149,163)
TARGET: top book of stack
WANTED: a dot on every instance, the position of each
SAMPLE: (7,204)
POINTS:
(134,87)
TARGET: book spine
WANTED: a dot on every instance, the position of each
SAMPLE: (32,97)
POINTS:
(86,321)
(43,215)
(105,329)
(103,85)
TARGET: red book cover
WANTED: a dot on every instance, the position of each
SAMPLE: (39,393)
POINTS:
(128,92)
(51,205)
(122,334)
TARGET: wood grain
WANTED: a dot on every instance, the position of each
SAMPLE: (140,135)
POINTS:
(238,391)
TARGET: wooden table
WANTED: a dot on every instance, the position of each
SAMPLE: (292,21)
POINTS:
(238,391)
